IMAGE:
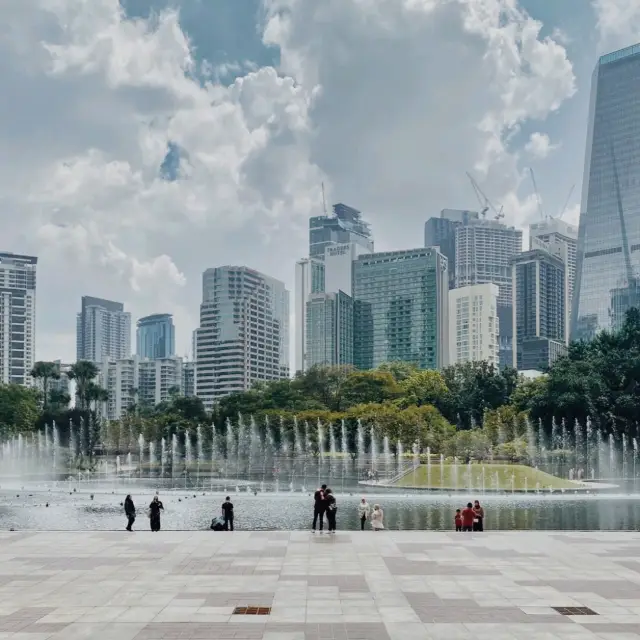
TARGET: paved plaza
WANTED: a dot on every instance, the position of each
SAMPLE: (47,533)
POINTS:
(371,586)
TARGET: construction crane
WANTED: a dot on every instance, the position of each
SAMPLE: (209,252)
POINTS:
(566,202)
(324,201)
(500,214)
(485,203)
(537,194)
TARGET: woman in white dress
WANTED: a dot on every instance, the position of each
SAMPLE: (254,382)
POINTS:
(377,518)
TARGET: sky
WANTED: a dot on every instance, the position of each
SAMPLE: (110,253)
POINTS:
(143,141)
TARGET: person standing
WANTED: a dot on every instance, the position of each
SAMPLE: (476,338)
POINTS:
(227,514)
(377,518)
(478,521)
(458,520)
(129,511)
(363,512)
(319,507)
(331,508)
(154,513)
(468,516)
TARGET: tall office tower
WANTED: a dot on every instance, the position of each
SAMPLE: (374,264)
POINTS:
(309,280)
(608,257)
(188,378)
(329,329)
(473,324)
(155,337)
(484,249)
(103,331)
(539,309)
(17,318)
(243,336)
(401,308)
(441,232)
(345,226)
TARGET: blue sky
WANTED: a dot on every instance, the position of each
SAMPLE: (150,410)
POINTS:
(386,102)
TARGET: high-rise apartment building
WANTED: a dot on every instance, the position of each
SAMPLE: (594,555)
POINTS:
(17,317)
(473,324)
(329,329)
(401,308)
(243,336)
(155,337)
(608,256)
(188,378)
(441,232)
(309,280)
(103,331)
(539,309)
(138,382)
(345,226)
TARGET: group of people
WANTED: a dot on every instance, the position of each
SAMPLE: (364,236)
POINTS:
(471,518)
(155,508)
(324,503)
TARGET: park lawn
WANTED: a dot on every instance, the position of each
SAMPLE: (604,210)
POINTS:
(457,477)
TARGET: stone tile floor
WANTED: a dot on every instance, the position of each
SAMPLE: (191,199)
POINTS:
(392,585)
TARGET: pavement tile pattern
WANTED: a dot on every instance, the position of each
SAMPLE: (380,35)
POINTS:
(392,585)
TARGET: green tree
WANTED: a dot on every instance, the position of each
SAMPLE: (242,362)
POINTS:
(83,372)
(424,387)
(399,370)
(362,387)
(324,384)
(19,409)
(45,371)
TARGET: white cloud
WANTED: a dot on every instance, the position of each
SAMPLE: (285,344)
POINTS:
(618,23)
(539,145)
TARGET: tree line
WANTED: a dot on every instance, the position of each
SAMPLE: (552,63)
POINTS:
(471,407)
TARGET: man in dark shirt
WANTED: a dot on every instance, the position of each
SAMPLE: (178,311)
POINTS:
(227,514)
(319,507)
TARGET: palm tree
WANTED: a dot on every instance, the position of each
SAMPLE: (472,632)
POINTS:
(45,371)
(83,372)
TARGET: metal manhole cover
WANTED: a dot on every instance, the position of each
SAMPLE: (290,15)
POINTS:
(252,611)
(575,611)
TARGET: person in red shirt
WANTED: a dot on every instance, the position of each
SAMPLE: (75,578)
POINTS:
(458,520)
(468,516)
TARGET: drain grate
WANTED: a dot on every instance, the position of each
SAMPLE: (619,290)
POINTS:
(252,611)
(575,611)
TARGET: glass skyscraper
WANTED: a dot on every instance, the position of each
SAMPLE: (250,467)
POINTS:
(401,308)
(329,329)
(155,337)
(343,227)
(608,255)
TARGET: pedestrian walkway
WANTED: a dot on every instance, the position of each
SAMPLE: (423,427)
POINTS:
(299,586)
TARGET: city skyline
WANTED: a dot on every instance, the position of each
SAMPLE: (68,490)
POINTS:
(133,207)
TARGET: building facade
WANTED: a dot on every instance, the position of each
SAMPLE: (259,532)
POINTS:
(17,318)
(243,336)
(309,280)
(608,255)
(539,309)
(401,308)
(137,382)
(441,232)
(103,331)
(345,226)
(330,329)
(473,324)
(155,337)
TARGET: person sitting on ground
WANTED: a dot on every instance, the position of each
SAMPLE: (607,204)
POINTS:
(468,516)
(363,512)
(377,518)
(458,520)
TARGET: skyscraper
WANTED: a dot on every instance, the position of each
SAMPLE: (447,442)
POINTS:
(309,280)
(473,324)
(539,309)
(243,336)
(103,330)
(608,256)
(329,329)
(401,308)
(345,226)
(155,337)
(441,232)
(17,317)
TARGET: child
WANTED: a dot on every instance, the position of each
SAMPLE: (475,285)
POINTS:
(458,520)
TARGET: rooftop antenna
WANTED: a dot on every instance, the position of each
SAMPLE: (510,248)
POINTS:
(324,201)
